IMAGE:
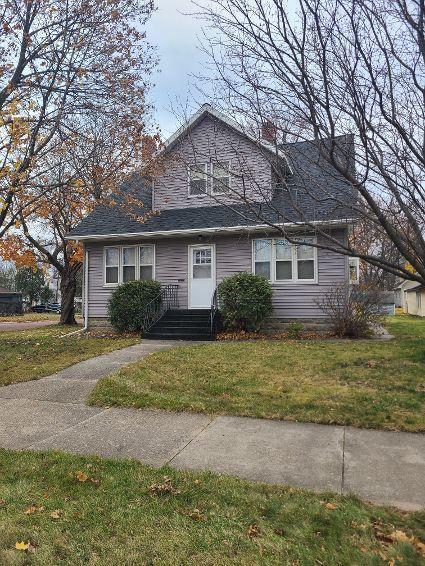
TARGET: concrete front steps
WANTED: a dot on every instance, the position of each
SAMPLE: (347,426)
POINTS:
(191,324)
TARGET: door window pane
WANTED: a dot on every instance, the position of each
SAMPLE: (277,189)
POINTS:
(202,271)
(202,256)
(262,255)
(197,180)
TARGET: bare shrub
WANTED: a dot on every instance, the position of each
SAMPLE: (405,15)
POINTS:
(352,309)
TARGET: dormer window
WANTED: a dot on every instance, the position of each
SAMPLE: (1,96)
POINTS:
(209,178)
(198,180)
(220,177)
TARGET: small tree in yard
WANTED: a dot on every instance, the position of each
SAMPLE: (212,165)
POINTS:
(245,301)
(126,306)
(30,282)
(352,310)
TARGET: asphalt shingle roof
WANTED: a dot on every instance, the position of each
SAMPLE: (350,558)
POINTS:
(314,187)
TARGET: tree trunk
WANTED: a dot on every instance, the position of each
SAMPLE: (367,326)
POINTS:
(68,287)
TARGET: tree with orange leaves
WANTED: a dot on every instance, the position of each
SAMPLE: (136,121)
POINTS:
(92,171)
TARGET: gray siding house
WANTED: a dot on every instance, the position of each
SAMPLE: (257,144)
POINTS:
(213,212)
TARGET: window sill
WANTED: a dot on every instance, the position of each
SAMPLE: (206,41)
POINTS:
(296,282)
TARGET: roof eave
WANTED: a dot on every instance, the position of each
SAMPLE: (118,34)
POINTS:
(344,222)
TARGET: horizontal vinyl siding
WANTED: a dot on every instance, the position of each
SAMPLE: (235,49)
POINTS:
(233,254)
(212,141)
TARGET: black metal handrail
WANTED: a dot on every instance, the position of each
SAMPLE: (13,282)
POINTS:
(167,299)
(214,313)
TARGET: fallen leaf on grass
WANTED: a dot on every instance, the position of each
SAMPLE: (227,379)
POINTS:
(328,505)
(30,510)
(56,514)
(2,502)
(165,488)
(22,545)
(197,515)
(81,476)
(254,531)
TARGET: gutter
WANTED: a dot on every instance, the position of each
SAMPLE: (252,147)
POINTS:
(214,230)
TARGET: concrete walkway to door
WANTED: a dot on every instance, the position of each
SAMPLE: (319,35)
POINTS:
(384,467)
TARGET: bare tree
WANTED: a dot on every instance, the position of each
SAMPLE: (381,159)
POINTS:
(58,61)
(333,67)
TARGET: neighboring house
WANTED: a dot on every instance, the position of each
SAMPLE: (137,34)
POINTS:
(10,302)
(200,231)
(415,300)
(400,293)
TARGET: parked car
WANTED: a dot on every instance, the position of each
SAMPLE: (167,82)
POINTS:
(38,308)
(53,307)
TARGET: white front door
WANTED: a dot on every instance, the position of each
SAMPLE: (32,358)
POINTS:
(201,276)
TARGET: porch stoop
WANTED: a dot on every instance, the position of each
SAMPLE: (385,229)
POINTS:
(191,324)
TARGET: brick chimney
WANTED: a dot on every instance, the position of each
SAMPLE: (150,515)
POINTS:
(269,131)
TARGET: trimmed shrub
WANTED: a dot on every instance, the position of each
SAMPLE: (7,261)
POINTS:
(125,308)
(245,301)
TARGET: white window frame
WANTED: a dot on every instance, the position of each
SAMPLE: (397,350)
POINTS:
(356,262)
(295,278)
(153,261)
(121,263)
(121,270)
(189,167)
(105,284)
(213,192)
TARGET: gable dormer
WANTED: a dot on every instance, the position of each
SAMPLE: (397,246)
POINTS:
(211,161)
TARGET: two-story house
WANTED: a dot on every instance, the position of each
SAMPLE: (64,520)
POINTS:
(218,205)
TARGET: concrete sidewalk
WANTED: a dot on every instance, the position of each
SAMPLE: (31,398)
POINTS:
(384,467)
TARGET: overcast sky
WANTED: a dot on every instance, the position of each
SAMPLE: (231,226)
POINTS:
(176,36)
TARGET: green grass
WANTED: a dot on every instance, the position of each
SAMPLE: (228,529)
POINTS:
(361,383)
(31,317)
(115,518)
(30,354)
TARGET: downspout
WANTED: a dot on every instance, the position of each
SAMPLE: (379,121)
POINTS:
(85,297)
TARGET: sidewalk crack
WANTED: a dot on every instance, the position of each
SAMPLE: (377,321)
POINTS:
(65,430)
(343,462)
(168,462)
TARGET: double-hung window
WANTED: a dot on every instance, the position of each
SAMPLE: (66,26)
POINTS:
(198,180)
(305,261)
(220,177)
(212,178)
(146,262)
(262,258)
(283,254)
(112,265)
(280,261)
(128,263)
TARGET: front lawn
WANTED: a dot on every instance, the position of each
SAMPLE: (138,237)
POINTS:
(30,354)
(361,383)
(31,317)
(63,509)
